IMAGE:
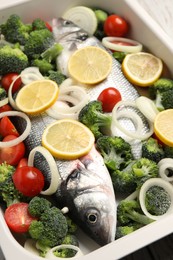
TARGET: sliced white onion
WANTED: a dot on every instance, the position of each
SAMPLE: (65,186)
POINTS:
(30,245)
(67,83)
(30,74)
(164,166)
(3,102)
(55,176)
(24,135)
(132,134)
(147,107)
(146,186)
(113,43)
(10,95)
(67,98)
(50,254)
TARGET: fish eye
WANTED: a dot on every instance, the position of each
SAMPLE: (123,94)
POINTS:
(92,216)
(74,174)
(67,22)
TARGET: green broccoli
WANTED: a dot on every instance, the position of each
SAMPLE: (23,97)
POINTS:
(43,65)
(72,227)
(38,42)
(144,169)
(157,200)
(50,229)
(12,60)
(122,231)
(123,180)
(56,76)
(152,150)
(8,193)
(168,151)
(3,93)
(130,210)
(115,150)
(38,205)
(66,252)
(38,24)
(15,30)
(93,117)
(51,53)
(162,93)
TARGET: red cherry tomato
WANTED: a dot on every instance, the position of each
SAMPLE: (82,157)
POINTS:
(8,79)
(28,180)
(115,25)
(18,218)
(7,127)
(5,108)
(12,155)
(22,162)
(109,97)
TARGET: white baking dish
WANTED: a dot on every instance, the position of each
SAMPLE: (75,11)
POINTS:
(143,29)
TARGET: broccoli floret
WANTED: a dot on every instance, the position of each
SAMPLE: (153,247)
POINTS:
(93,117)
(51,53)
(158,92)
(38,205)
(72,227)
(144,169)
(123,180)
(152,150)
(43,65)
(8,193)
(130,210)
(50,228)
(157,200)
(3,93)
(38,24)
(66,252)
(122,231)
(56,76)
(38,42)
(12,60)
(15,30)
(168,151)
(116,151)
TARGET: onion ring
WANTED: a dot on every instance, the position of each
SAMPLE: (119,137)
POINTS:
(3,102)
(23,136)
(55,176)
(164,165)
(50,254)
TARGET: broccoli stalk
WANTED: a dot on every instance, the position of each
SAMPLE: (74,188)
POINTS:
(43,65)
(93,117)
(12,60)
(130,210)
(51,53)
(122,231)
(144,169)
(157,200)
(152,150)
(8,193)
(116,151)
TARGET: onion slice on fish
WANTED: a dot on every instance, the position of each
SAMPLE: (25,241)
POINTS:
(147,108)
(132,115)
(3,102)
(74,99)
(115,44)
(146,186)
(55,176)
(50,255)
(24,135)
(164,166)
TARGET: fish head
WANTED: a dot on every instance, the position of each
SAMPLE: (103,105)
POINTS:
(66,30)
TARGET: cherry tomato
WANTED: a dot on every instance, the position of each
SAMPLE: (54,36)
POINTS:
(115,25)
(8,79)
(5,108)
(109,97)
(28,180)
(18,218)
(22,162)
(49,27)
(12,155)
(7,127)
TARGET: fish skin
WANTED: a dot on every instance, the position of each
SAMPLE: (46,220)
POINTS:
(85,188)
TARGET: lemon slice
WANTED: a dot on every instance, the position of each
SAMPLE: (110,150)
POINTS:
(163,126)
(90,65)
(142,68)
(37,96)
(67,139)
